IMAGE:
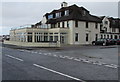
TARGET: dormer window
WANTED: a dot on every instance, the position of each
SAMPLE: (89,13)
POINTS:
(58,15)
(84,12)
(106,22)
(62,13)
(66,12)
(50,16)
(113,21)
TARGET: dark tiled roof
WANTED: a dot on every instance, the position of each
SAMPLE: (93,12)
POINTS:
(75,13)
(102,17)
(114,22)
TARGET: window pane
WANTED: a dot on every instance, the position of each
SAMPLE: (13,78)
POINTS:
(86,24)
(76,23)
(50,16)
(87,37)
(29,38)
(76,36)
(66,12)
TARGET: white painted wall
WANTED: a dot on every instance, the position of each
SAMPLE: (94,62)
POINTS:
(82,30)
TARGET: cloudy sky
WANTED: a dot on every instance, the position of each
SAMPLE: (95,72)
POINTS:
(15,14)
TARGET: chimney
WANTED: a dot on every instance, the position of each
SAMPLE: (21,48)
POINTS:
(64,4)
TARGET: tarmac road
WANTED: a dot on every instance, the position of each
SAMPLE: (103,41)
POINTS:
(42,64)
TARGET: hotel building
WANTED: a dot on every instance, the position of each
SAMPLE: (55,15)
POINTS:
(67,25)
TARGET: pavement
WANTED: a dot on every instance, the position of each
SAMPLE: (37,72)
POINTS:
(78,63)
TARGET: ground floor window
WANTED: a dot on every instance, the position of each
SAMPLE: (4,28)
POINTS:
(104,36)
(29,38)
(37,38)
(56,38)
(51,38)
(76,37)
(45,38)
(111,36)
(87,36)
(115,36)
(107,36)
(96,37)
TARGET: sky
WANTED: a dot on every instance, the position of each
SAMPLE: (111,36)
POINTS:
(15,14)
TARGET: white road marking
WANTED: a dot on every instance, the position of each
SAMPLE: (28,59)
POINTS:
(40,53)
(72,58)
(86,61)
(55,55)
(45,54)
(14,57)
(58,72)
(61,56)
(110,66)
(69,57)
(83,59)
(77,59)
(114,65)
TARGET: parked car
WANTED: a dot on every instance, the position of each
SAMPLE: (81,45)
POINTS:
(115,41)
(118,41)
(103,42)
(112,41)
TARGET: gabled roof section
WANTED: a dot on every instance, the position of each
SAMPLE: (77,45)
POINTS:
(114,22)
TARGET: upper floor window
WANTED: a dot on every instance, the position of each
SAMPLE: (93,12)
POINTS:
(107,36)
(101,36)
(67,23)
(50,16)
(58,15)
(96,25)
(96,37)
(66,12)
(86,24)
(106,29)
(62,13)
(84,12)
(52,25)
(106,22)
(76,37)
(76,23)
(113,30)
(104,36)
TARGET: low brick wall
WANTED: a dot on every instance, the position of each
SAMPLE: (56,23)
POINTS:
(31,44)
